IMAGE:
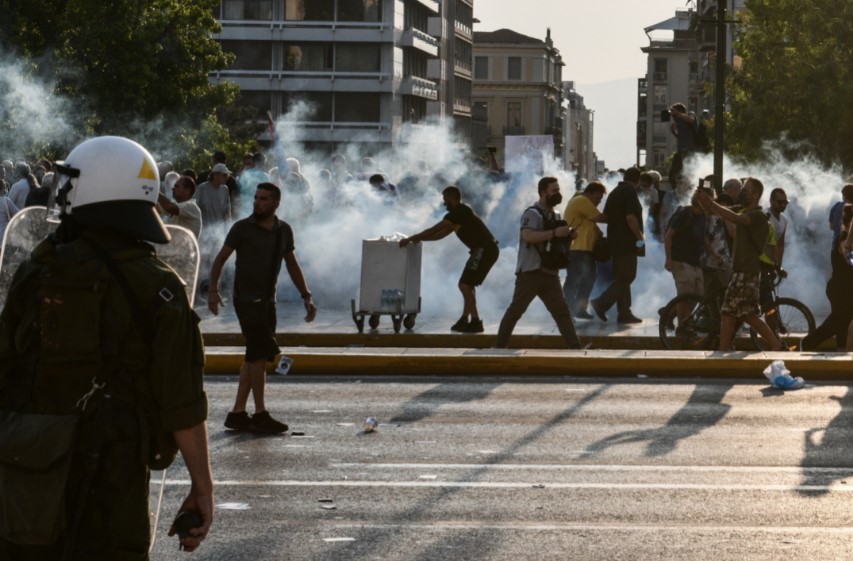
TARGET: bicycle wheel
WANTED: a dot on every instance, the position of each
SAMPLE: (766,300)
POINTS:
(790,320)
(697,331)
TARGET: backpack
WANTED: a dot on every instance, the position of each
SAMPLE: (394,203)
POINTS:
(700,139)
(555,255)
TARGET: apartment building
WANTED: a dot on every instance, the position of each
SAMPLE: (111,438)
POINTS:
(681,68)
(351,71)
(579,127)
(518,87)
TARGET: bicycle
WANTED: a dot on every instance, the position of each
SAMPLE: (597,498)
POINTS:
(699,329)
(788,318)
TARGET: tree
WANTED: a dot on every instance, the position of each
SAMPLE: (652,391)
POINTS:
(795,80)
(137,68)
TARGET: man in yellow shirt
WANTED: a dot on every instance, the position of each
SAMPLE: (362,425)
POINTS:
(582,214)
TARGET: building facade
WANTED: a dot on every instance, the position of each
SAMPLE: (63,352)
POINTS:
(680,69)
(351,71)
(517,89)
(579,127)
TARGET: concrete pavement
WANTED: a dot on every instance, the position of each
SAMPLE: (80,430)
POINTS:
(332,345)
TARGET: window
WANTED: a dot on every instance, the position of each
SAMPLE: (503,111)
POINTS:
(248,9)
(356,108)
(359,10)
(250,55)
(660,96)
(514,68)
(481,68)
(513,114)
(310,10)
(660,65)
(310,106)
(258,103)
(316,57)
(356,58)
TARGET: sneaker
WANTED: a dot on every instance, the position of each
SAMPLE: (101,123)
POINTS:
(238,421)
(631,318)
(473,327)
(262,422)
(460,326)
(583,314)
(598,311)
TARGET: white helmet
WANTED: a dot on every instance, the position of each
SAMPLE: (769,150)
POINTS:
(112,181)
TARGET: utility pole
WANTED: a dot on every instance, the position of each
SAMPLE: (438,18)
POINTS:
(720,96)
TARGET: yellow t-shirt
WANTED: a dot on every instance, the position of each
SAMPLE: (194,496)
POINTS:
(579,215)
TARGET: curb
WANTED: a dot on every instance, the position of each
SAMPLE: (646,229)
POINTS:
(379,361)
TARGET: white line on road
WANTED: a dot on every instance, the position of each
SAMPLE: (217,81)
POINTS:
(526,485)
(604,467)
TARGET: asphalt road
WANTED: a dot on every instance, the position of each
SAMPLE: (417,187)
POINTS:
(505,469)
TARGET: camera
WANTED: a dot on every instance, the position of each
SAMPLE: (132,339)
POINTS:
(665,116)
(703,188)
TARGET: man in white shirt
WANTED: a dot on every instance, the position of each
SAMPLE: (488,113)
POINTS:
(778,204)
(183,211)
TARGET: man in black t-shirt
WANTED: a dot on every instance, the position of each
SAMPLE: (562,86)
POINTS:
(471,230)
(626,242)
(261,242)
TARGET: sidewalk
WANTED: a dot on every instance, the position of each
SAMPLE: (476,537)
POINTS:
(332,345)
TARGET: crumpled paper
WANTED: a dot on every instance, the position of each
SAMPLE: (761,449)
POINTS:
(780,377)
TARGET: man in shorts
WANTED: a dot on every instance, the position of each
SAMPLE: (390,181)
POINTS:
(261,242)
(471,230)
(684,239)
(741,303)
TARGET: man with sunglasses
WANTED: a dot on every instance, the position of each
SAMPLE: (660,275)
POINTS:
(778,204)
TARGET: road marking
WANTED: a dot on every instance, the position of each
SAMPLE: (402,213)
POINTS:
(527,485)
(607,527)
(604,467)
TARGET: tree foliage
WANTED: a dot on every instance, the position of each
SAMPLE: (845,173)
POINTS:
(137,68)
(795,80)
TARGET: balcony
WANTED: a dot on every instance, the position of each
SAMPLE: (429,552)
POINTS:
(660,77)
(433,5)
(419,87)
(462,106)
(463,68)
(435,27)
(417,39)
(435,69)
(513,131)
(464,30)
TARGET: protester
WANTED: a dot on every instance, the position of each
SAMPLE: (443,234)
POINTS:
(835,213)
(583,215)
(683,127)
(532,279)
(683,243)
(261,242)
(184,210)
(483,253)
(741,301)
(214,202)
(626,242)
(8,209)
(21,188)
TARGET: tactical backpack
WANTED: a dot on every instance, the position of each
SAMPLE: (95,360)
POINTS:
(555,254)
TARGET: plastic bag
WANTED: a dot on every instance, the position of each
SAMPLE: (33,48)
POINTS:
(780,377)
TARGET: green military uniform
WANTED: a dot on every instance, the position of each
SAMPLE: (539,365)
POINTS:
(73,338)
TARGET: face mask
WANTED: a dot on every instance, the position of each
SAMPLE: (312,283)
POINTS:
(555,199)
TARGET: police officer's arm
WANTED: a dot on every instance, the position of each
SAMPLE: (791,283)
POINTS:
(214,299)
(433,233)
(298,278)
(193,445)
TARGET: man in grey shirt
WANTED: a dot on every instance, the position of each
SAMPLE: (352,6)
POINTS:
(531,278)
(214,202)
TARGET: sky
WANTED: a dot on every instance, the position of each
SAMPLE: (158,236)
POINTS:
(600,43)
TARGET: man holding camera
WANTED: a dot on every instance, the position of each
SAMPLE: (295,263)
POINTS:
(532,279)
(683,127)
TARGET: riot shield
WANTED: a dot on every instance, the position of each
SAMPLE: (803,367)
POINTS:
(182,255)
(30,226)
(25,231)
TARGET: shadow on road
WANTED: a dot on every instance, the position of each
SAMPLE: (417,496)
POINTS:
(829,459)
(425,404)
(703,410)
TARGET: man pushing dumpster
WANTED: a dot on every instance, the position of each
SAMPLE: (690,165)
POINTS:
(471,230)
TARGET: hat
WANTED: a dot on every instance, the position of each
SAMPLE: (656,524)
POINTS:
(220,168)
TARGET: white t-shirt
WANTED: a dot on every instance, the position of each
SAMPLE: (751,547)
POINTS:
(779,225)
(189,217)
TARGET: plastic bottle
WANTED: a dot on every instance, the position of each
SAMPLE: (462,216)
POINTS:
(370,424)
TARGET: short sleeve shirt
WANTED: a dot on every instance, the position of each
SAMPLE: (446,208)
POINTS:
(580,214)
(749,243)
(689,236)
(189,217)
(528,254)
(214,203)
(622,202)
(255,247)
(469,227)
